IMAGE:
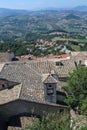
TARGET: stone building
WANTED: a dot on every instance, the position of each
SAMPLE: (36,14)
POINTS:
(29,88)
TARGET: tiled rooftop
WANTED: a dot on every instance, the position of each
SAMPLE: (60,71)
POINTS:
(32,75)
(50,79)
(68,66)
(32,87)
(42,67)
(4,57)
(31,79)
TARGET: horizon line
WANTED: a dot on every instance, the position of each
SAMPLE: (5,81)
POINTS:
(43,8)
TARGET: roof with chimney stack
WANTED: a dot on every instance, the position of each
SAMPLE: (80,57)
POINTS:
(7,56)
(31,75)
(50,79)
(30,85)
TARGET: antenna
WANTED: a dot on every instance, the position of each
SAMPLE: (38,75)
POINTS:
(76,64)
(49,69)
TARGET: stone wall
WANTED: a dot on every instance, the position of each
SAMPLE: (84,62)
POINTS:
(24,121)
(8,95)
(21,108)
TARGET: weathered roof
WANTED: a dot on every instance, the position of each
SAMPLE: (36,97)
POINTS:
(42,66)
(32,87)
(4,57)
(45,67)
(31,75)
(31,81)
(69,64)
(81,56)
(68,67)
(50,79)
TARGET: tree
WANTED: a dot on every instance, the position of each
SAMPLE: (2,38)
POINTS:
(77,90)
(50,122)
(84,128)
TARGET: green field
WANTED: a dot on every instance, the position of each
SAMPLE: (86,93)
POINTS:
(63,39)
(69,39)
(75,47)
(82,40)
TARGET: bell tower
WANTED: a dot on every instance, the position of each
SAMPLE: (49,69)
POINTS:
(50,84)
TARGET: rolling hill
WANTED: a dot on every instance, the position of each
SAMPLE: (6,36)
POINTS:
(80,8)
(22,25)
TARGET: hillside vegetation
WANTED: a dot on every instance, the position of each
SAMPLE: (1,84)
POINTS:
(25,29)
(19,27)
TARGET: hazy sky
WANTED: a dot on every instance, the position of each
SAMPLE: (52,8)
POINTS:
(35,4)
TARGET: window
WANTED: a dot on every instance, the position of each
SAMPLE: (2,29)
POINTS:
(3,85)
(50,86)
(59,63)
(61,110)
(50,90)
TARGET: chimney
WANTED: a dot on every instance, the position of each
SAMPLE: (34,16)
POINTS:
(80,63)
(11,55)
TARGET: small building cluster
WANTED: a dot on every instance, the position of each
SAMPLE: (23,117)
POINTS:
(34,85)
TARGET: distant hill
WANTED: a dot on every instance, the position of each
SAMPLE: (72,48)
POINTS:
(72,16)
(22,25)
(12,12)
(4,12)
(80,8)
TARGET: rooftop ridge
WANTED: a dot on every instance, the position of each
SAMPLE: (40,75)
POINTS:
(42,66)
(33,70)
(50,79)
